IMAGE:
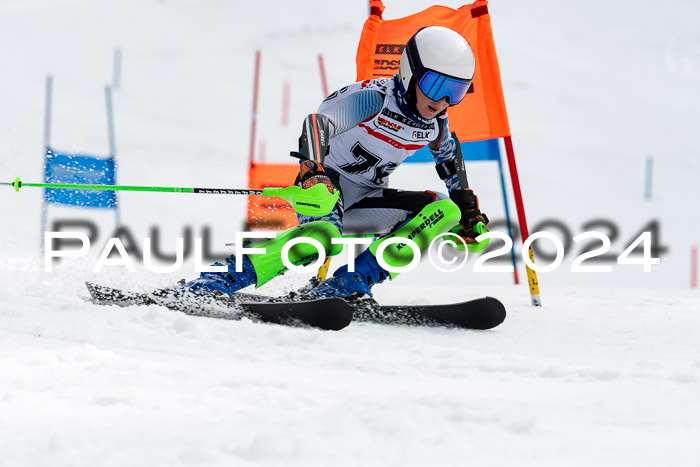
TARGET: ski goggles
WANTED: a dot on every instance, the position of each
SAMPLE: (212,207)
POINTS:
(436,86)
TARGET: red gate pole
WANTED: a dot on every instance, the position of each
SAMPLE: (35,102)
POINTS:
(254,115)
(520,208)
(285,103)
(324,83)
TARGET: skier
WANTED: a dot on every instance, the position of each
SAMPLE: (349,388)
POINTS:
(355,140)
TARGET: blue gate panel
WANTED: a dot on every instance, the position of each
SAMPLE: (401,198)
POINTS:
(83,170)
(485,150)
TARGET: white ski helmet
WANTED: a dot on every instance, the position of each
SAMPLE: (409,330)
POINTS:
(440,61)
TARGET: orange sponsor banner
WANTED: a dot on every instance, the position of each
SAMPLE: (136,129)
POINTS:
(265,212)
(482,113)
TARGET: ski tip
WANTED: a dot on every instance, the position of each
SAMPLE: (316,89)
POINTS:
(490,315)
(340,315)
(94,289)
(91,288)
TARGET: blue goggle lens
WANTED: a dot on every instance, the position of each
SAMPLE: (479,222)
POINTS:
(436,86)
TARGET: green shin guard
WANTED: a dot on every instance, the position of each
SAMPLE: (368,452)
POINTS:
(269,265)
(435,219)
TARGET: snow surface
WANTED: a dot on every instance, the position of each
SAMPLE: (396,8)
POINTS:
(607,372)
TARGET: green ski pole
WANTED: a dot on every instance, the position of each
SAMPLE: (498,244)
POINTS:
(313,201)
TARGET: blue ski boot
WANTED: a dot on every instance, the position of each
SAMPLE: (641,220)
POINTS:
(223,282)
(353,284)
(261,268)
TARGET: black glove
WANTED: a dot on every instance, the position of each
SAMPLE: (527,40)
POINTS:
(468,204)
(311,173)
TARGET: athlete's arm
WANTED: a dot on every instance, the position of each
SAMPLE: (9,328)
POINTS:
(447,154)
(344,114)
(449,163)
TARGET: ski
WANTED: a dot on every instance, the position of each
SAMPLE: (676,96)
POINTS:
(481,313)
(323,313)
